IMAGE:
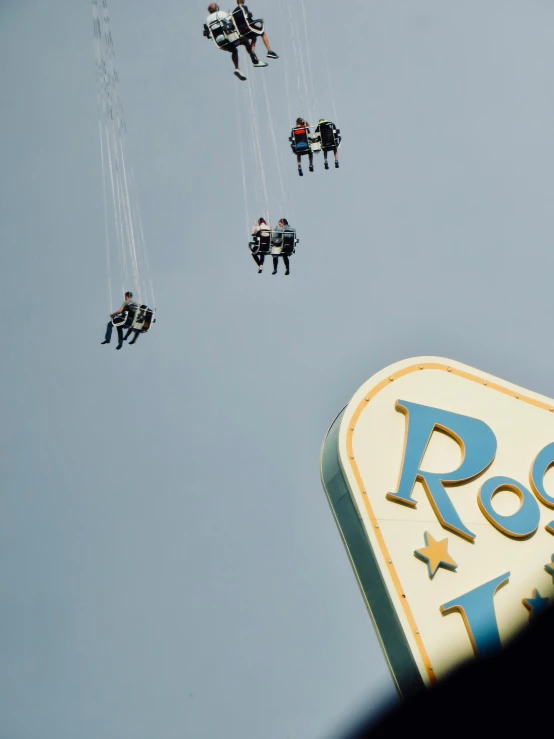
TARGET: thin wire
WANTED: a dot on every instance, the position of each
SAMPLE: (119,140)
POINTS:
(131,230)
(309,53)
(256,129)
(127,220)
(283,34)
(243,163)
(288,91)
(275,149)
(106,215)
(99,83)
(335,119)
(118,219)
(143,243)
(111,153)
(297,63)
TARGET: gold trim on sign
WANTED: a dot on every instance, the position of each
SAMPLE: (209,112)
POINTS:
(374,521)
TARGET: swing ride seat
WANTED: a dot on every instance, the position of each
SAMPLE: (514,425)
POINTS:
(126,318)
(143,319)
(261,243)
(285,240)
(224,33)
(300,140)
(289,243)
(329,136)
(247,28)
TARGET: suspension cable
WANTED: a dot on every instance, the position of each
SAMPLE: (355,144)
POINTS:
(127,222)
(329,83)
(275,148)
(299,66)
(243,163)
(309,54)
(256,129)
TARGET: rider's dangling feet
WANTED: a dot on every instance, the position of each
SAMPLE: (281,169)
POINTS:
(326,164)
(272,55)
(240,75)
(256,62)
(311,167)
(300,172)
(336,165)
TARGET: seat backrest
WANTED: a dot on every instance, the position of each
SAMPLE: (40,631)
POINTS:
(223,32)
(327,134)
(148,317)
(126,318)
(289,242)
(244,25)
(140,315)
(300,139)
(265,242)
(241,21)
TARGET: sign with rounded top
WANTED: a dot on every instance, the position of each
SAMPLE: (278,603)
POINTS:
(439,479)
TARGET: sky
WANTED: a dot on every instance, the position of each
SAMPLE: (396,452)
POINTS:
(169,565)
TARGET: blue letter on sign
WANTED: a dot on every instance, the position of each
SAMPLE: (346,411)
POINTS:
(477,610)
(478,444)
(521,524)
(541,465)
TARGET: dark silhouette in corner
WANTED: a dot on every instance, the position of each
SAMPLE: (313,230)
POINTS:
(509,694)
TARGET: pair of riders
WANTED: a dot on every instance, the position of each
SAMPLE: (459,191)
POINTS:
(304,126)
(261,228)
(248,41)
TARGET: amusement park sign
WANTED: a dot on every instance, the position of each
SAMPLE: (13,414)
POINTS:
(438,478)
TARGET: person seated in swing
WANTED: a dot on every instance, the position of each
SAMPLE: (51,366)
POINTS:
(260,228)
(300,140)
(127,305)
(215,14)
(329,136)
(277,245)
(258,25)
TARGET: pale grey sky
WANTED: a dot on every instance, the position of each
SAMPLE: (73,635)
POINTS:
(169,565)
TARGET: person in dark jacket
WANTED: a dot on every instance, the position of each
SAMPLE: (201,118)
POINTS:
(128,304)
(277,246)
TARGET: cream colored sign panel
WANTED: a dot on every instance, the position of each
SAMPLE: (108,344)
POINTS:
(449,470)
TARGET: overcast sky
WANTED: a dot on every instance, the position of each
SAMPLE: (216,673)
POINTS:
(169,565)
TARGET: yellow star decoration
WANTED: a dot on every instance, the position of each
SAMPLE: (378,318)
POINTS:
(435,554)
